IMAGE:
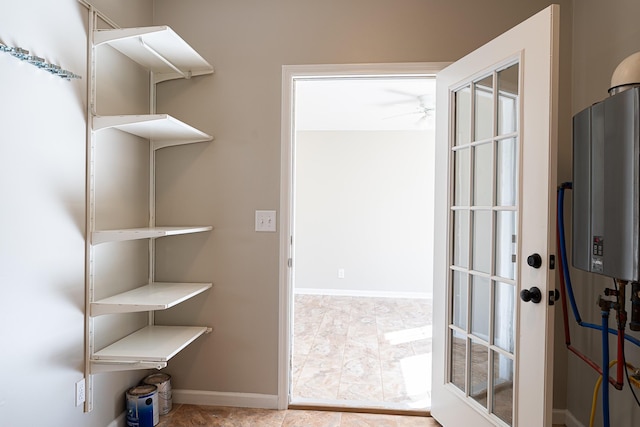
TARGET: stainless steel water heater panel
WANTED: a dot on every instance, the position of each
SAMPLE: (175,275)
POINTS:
(606,187)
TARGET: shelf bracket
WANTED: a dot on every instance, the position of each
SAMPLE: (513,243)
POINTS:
(186,75)
(104,366)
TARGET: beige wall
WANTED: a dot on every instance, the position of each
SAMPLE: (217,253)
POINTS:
(604,34)
(225,181)
(221,183)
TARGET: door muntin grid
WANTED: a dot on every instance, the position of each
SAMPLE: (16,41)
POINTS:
(483,213)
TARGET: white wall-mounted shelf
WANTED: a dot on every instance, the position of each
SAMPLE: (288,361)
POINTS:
(155,344)
(166,56)
(154,296)
(155,48)
(105,236)
(162,130)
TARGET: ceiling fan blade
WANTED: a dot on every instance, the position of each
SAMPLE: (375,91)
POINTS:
(402,115)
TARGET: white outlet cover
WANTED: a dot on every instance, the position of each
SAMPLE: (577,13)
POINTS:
(80,392)
(266,221)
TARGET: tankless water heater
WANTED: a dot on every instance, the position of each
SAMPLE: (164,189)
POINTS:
(606,187)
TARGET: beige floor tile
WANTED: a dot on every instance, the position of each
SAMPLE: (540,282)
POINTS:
(311,419)
(367,420)
(257,417)
(210,416)
(374,420)
(360,392)
(371,341)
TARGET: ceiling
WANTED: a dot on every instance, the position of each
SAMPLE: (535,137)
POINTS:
(363,103)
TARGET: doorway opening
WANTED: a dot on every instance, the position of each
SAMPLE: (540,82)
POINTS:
(360,218)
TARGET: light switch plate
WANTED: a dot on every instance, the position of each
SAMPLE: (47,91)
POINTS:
(266,221)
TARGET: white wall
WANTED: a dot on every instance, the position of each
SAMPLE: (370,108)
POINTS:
(42,188)
(42,170)
(364,204)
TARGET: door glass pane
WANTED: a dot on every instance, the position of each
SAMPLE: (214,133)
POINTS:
(461,238)
(461,178)
(503,387)
(480,306)
(483,175)
(463,116)
(484,200)
(505,262)
(506,173)
(458,359)
(483,108)
(479,372)
(460,292)
(482,241)
(508,100)
(504,302)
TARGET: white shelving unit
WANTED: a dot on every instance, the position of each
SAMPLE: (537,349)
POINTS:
(161,129)
(105,236)
(158,49)
(166,56)
(154,296)
(147,348)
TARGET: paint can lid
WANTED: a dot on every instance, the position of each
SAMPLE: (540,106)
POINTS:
(142,390)
(156,378)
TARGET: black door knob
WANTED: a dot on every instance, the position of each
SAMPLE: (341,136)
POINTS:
(534,260)
(533,294)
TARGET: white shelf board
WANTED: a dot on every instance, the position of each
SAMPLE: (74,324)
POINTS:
(154,296)
(151,344)
(162,130)
(104,236)
(161,39)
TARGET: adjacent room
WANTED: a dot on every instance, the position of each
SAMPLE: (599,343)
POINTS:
(363,222)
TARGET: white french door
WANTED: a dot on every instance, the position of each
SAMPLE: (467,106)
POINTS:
(495,230)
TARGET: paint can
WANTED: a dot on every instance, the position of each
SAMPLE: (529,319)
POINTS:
(163,382)
(141,403)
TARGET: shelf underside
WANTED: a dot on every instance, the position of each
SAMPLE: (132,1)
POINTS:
(104,236)
(154,344)
(154,296)
(162,130)
(155,48)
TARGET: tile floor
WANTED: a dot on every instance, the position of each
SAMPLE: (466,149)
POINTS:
(351,351)
(363,352)
(211,416)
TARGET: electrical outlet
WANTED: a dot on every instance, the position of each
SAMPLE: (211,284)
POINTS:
(80,392)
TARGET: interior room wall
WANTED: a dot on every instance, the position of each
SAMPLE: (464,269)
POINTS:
(604,34)
(375,224)
(228,179)
(42,168)
(42,171)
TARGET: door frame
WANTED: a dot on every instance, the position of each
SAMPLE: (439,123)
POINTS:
(289,74)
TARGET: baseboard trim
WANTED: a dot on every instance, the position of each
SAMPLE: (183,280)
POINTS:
(558,416)
(369,294)
(214,398)
(120,421)
(563,416)
(571,421)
